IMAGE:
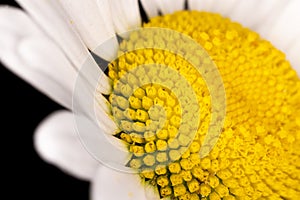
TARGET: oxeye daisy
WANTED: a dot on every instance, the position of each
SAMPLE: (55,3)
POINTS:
(173,99)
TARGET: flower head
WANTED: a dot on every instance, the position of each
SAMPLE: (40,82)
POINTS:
(160,114)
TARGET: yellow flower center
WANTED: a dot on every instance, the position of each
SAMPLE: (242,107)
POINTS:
(257,155)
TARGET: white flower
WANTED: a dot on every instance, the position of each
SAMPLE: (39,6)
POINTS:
(47,44)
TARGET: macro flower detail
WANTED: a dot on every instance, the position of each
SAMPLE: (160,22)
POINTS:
(261,113)
(172,99)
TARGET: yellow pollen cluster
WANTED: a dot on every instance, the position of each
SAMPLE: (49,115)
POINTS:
(258,153)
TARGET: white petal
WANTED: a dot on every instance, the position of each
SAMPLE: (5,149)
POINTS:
(93,23)
(257,15)
(57,142)
(104,120)
(89,20)
(286,29)
(267,16)
(31,55)
(152,193)
(95,127)
(92,105)
(150,8)
(106,148)
(213,5)
(153,8)
(204,5)
(52,19)
(112,184)
(125,14)
(243,11)
(102,102)
(169,6)
(293,56)
(88,100)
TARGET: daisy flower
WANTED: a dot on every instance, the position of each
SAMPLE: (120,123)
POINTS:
(213,113)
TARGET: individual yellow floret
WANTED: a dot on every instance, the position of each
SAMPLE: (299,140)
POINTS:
(162,157)
(148,173)
(147,102)
(176,179)
(149,160)
(137,150)
(165,191)
(141,115)
(161,145)
(134,103)
(149,136)
(139,93)
(205,190)
(193,186)
(174,167)
(174,155)
(163,181)
(214,196)
(186,175)
(186,164)
(160,169)
(205,163)
(222,190)
(162,134)
(135,163)
(213,181)
(179,190)
(150,147)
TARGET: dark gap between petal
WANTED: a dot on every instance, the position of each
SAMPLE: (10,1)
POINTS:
(119,38)
(160,12)
(144,16)
(186,5)
(102,63)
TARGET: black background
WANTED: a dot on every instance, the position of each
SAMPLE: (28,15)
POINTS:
(24,174)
